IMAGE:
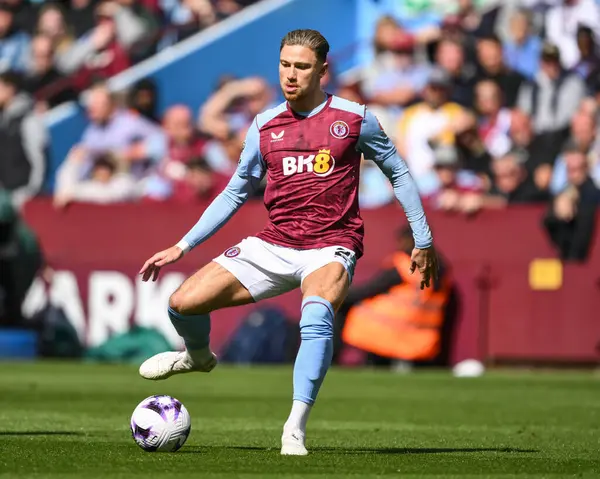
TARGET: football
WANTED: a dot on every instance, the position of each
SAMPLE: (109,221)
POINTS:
(160,424)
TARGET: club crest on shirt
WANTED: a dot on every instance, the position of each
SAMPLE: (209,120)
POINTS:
(232,252)
(339,129)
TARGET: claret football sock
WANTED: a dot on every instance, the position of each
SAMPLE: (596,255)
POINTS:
(313,360)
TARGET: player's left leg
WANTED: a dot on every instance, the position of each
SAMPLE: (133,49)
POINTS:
(323,291)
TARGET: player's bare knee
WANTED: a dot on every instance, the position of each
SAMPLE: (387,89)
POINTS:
(176,302)
(184,303)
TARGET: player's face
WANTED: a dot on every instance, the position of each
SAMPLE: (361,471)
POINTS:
(299,72)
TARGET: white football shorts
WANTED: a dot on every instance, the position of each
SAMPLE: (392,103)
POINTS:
(268,270)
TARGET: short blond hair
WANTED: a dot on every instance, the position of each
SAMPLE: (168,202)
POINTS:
(308,38)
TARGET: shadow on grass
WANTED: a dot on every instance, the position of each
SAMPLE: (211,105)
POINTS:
(365,450)
(41,433)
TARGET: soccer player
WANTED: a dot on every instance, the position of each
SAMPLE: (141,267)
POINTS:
(310,148)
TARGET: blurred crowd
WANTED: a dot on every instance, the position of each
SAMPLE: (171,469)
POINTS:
(61,47)
(488,106)
(493,107)
(127,154)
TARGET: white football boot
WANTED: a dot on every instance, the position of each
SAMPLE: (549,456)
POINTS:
(165,365)
(292,443)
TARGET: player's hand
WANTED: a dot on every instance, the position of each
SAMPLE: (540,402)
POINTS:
(151,268)
(425,260)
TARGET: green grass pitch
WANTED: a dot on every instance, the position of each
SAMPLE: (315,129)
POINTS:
(72,421)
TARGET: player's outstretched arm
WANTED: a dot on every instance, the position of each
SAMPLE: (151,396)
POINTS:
(377,146)
(223,207)
(242,185)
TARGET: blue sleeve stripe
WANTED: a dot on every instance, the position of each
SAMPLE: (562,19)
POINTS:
(347,105)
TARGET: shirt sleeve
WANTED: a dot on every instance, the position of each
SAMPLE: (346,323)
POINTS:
(376,145)
(242,185)
(251,161)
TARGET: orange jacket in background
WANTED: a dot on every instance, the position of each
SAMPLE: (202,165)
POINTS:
(404,323)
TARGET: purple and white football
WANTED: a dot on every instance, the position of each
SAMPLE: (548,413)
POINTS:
(160,424)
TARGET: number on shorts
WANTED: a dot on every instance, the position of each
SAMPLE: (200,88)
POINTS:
(348,257)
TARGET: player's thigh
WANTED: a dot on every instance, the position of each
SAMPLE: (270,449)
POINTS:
(328,273)
(264,269)
(209,289)
(330,282)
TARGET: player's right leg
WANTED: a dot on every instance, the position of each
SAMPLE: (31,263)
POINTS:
(211,288)
(327,274)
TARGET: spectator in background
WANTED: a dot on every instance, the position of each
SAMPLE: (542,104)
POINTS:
(135,143)
(521,131)
(538,154)
(393,79)
(140,43)
(553,97)
(80,16)
(23,140)
(474,21)
(493,120)
(184,144)
(491,67)
(584,138)
(198,183)
(512,183)
(391,318)
(522,49)
(51,23)
(142,98)
(451,29)
(588,66)
(594,98)
(386,34)
(100,54)
(189,16)
(471,147)
(25,13)
(233,106)
(572,216)
(42,77)
(562,22)
(448,187)
(132,20)
(104,185)
(14,43)
(226,8)
(450,55)
(431,119)
(20,260)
